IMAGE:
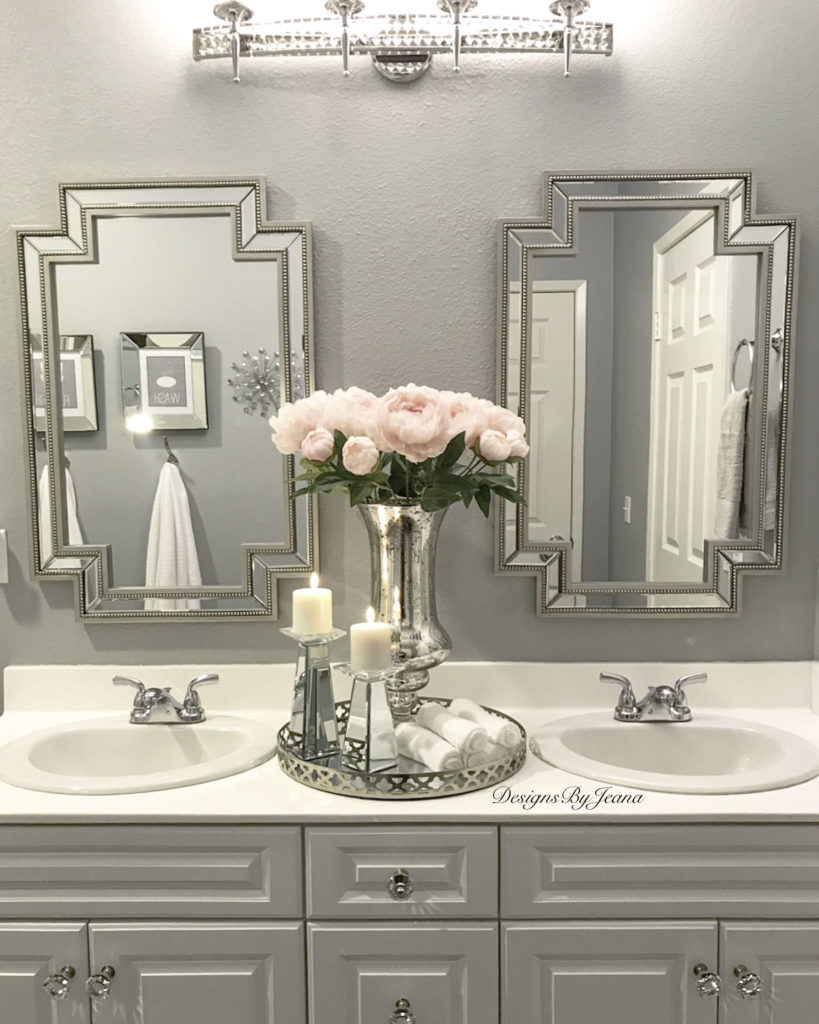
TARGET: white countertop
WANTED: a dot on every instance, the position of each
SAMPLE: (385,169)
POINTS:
(781,694)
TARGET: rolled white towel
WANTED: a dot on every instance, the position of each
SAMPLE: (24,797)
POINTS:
(491,752)
(466,736)
(498,729)
(427,747)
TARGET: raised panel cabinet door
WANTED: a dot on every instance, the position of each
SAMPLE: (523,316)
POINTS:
(626,972)
(359,973)
(781,960)
(32,953)
(225,972)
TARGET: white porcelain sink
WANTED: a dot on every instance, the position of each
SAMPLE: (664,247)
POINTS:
(109,755)
(706,755)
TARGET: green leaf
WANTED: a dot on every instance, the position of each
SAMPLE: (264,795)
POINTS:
(483,499)
(453,451)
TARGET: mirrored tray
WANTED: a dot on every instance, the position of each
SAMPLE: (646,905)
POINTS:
(410,782)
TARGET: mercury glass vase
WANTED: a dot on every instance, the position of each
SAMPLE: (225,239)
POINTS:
(403,540)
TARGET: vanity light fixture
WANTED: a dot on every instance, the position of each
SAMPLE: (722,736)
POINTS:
(402,45)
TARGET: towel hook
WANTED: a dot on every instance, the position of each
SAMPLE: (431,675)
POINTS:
(777,340)
(744,343)
(171,457)
(41,437)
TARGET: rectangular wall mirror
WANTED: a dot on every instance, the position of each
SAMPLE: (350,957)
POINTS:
(645,335)
(175,282)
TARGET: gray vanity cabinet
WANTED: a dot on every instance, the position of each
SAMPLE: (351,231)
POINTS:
(639,972)
(784,957)
(30,954)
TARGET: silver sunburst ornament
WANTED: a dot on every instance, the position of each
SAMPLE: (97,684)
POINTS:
(257,382)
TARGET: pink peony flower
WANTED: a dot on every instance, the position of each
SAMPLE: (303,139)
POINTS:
(318,445)
(467,415)
(519,447)
(295,420)
(350,411)
(413,421)
(360,455)
(502,419)
(494,446)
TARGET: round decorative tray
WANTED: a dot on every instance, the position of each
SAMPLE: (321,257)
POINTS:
(411,781)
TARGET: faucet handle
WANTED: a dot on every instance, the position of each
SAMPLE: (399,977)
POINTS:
(683,681)
(626,710)
(192,710)
(139,699)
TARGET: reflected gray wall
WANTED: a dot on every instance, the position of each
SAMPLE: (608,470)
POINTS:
(405,187)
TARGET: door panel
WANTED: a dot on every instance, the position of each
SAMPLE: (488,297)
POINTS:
(29,953)
(210,973)
(785,956)
(570,972)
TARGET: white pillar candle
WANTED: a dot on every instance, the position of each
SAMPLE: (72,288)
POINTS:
(370,645)
(313,609)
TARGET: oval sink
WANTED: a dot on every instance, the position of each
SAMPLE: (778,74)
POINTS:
(706,755)
(110,755)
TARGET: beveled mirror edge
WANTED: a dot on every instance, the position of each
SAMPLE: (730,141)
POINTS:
(731,559)
(92,573)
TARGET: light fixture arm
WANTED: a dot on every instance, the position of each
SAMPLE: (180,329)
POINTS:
(234,14)
(345,9)
(456,8)
(568,9)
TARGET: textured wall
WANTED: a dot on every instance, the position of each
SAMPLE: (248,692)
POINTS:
(404,187)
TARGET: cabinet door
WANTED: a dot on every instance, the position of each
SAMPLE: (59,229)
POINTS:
(785,957)
(208,972)
(29,953)
(448,972)
(572,972)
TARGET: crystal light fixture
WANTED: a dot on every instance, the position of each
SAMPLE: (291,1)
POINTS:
(402,46)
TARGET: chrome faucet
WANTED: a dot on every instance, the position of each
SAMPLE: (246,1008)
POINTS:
(662,703)
(156,705)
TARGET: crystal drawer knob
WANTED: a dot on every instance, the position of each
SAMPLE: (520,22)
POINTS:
(402,1014)
(707,982)
(748,983)
(98,986)
(57,985)
(400,886)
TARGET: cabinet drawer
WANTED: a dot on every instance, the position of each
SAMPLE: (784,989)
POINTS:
(660,871)
(150,871)
(452,872)
(358,972)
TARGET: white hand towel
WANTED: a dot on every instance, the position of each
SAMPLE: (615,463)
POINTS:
(427,748)
(491,752)
(498,729)
(465,736)
(172,560)
(44,518)
(772,449)
(730,458)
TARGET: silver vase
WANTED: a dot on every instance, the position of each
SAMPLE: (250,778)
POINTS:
(403,540)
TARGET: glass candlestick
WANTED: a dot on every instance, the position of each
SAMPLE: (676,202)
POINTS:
(313,722)
(369,741)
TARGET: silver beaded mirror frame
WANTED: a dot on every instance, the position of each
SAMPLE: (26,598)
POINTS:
(658,468)
(239,485)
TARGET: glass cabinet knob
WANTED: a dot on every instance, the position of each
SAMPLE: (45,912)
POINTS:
(57,985)
(98,986)
(400,885)
(402,1014)
(708,983)
(748,983)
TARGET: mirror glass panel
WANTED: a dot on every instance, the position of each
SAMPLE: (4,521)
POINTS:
(644,338)
(175,282)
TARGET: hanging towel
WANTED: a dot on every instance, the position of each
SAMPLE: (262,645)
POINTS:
(426,747)
(465,736)
(772,448)
(172,560)
(44,518)
(499,730)
(730,458)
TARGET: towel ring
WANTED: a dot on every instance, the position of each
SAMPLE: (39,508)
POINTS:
(744,343)
(171,457)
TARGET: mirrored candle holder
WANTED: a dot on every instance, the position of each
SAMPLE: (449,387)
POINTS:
(369,739)
(313,723)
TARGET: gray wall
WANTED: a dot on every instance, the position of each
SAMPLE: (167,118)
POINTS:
(404,187)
